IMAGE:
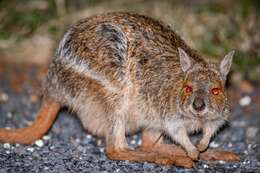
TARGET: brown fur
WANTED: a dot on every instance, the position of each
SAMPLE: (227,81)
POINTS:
(45,118)
(124,72)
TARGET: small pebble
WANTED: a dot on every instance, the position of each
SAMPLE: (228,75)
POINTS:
(245,152)
(205,166)
(3,97)
(214,145)
(222,162)
(101,150)
(7,146)
(234,166)
(135,136)
(230,145)
(46,137)
(7,152)
(246,162)
(245,101)
(89,136)
(99,142)
(30,149)
(133,142)
(17,145)
(139,142)
(9,115)
(77,140)
(249,146)
(39,143)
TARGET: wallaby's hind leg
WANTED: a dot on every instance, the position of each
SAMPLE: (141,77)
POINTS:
(45,118)
(153,141)
(217,154)
(117,149)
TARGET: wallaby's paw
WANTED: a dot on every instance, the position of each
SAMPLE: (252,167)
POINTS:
(194,154)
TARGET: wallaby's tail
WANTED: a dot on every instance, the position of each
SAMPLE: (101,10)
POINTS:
(45,118)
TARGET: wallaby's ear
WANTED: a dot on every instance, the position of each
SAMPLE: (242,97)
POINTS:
(185,60)
(226,63)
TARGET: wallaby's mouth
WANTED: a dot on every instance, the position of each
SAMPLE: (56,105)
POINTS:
(198,113)
(205,114)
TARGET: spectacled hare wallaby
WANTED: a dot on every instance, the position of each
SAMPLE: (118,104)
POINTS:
(124,72)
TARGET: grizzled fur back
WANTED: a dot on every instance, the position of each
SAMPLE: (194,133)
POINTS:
(135,68)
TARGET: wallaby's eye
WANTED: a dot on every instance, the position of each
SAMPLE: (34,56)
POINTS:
(188,89)
(215,91)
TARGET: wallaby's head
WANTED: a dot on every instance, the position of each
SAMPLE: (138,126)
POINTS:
(203,93)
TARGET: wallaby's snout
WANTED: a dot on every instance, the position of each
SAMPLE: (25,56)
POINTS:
(198,104)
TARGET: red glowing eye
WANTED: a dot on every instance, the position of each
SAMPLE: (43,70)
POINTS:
(188,89)
(215,91)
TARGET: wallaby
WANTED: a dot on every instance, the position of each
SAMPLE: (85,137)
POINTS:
(123,73)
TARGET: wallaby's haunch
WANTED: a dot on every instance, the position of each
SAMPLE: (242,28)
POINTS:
(124,72)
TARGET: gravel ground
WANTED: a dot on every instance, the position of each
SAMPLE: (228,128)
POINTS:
(68,148)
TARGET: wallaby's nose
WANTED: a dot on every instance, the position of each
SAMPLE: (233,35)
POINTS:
(198,104)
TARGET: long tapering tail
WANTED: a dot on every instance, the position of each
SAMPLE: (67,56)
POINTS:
(45,118)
